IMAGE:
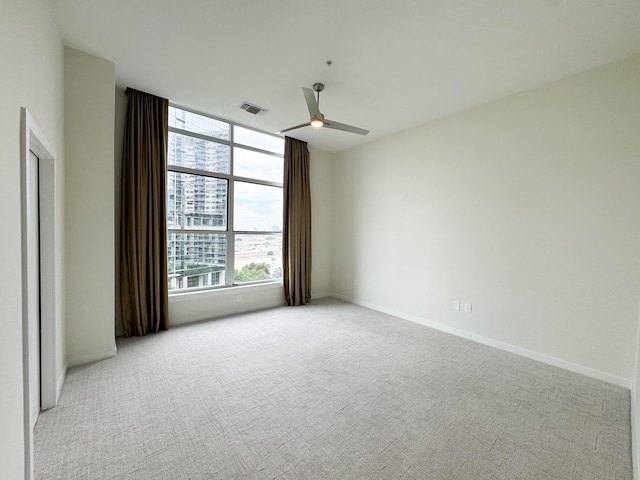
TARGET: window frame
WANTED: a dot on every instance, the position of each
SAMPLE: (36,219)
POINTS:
(230,179)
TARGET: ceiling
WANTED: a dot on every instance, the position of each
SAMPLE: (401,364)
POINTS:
(396,64)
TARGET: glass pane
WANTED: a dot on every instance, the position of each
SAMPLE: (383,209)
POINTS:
(201,124)
(258,140)
(193,152)
(247,163)
(258,257)
(257,207)
(195,202)
(196,259)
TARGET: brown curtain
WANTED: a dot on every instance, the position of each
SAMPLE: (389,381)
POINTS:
(144,290)
(296,242)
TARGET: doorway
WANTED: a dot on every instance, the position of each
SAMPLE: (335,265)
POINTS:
(41,380)
(33,284)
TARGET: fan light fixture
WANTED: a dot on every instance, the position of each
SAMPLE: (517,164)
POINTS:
(317,118)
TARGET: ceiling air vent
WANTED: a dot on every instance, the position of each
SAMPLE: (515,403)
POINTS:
(253,109)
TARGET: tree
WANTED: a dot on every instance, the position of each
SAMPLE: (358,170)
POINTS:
(252,272)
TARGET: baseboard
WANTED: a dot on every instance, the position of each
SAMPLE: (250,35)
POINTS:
(94,357)
(320,295)
(556,362)
(60,383)
(634,433)
(422,321)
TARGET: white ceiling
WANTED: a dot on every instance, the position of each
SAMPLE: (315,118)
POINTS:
(396,63)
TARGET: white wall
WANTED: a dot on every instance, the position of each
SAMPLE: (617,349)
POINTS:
(321,176)
(31,56)
(89,136)
(193,307)
(527,207)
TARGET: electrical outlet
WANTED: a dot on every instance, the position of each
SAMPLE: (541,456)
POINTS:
(456,305)
(467,307)
(238,298)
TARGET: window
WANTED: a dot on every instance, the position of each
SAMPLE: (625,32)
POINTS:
(224,203)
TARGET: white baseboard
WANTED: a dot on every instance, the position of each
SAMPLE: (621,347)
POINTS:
(60,383)
(320,295)
(635,454)
(94,357)
(556,362)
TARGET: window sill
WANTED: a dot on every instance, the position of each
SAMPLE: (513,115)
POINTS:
(222,291)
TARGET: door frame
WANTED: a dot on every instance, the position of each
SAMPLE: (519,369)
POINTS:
(33,140)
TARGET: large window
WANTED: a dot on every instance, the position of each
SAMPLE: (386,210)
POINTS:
(224,203)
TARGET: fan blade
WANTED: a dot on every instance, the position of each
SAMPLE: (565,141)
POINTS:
(293,128)
(312,103)
(344,127)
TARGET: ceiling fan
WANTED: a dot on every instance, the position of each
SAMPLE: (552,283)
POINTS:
(317,118)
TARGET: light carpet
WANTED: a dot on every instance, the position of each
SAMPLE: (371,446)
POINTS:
(329,390)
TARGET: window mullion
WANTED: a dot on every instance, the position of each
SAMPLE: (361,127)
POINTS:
(201,136)
(256,232)
(231,250)
(195,171)
(258,150)
(258,182)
